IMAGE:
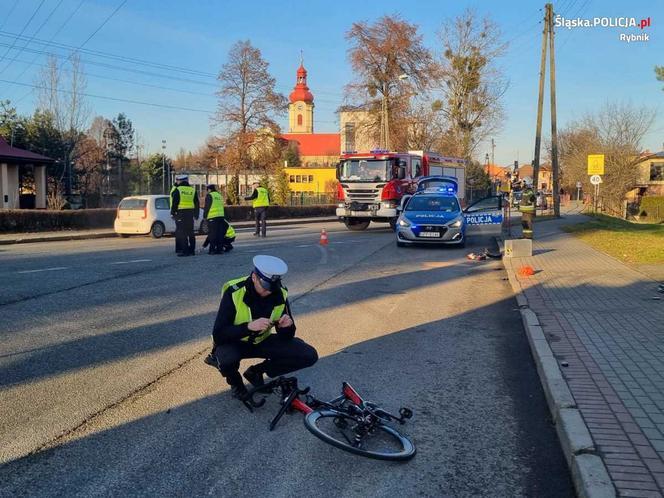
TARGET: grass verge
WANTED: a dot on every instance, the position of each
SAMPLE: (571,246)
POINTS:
(629,242)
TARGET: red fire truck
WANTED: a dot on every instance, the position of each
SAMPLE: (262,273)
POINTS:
(371,184)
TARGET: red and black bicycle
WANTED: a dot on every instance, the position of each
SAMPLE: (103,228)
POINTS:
(347,422)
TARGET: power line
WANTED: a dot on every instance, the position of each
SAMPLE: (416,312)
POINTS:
(116,57)
(116,99)
(102,24)
(33,35)
(9,14)
(24,28)
(57,32)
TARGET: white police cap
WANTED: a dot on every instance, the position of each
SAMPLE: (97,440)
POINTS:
(270,267)
(182,177)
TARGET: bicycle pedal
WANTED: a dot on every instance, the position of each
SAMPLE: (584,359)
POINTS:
(406,412)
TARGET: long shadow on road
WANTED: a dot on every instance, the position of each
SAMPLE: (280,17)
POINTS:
(131,341)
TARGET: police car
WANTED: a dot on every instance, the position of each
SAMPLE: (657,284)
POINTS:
(433,215)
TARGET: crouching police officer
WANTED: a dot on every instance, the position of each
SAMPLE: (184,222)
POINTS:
(251,307)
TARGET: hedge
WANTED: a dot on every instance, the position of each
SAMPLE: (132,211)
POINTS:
(38,220)
(652,209)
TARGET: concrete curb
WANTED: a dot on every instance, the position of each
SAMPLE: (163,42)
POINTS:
(23,239)
(589,474)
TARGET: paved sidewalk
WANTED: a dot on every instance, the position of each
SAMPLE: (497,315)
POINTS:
(59,235)
(605,327)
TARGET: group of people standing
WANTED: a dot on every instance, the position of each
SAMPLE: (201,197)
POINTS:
(185,208)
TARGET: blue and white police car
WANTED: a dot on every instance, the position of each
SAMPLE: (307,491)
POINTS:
(433,215)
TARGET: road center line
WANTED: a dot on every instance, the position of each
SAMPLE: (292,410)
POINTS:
(130,261)
(45,269)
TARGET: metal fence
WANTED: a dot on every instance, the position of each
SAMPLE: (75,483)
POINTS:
(304,199)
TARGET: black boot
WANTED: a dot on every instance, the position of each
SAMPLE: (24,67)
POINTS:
(211,360)
(255,376)
(239,391)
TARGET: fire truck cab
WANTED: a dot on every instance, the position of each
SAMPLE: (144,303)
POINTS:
(371,184)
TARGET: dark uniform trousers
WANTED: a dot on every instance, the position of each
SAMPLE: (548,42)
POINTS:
(285,355)
(261,220)
(527,225)
(184,231)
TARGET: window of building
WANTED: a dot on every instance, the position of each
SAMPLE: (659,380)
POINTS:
(657,172)
(292,179)
(311,178)
(298,179)
(299,119)
(349,136)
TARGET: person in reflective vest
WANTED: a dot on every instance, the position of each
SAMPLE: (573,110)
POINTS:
(229,238)
(255,321)
(178,249)
(260,202)
(217,225)
(185,209)
(527,208)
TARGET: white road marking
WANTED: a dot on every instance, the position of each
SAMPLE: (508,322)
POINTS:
(131,261)
(45,269)
(305,245)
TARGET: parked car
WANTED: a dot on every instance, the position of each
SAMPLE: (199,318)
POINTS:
(143,214)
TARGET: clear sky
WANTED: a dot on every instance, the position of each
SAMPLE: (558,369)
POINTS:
(593,66)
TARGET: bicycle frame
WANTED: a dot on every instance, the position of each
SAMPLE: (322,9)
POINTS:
(368,412)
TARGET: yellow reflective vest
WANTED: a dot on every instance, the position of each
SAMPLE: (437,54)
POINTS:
(217,208)
(262,200)
(230,232)
(187,194)
(243,312)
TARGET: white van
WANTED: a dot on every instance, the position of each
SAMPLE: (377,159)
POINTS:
(143,214)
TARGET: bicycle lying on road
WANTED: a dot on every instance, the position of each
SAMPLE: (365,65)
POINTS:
(347,422)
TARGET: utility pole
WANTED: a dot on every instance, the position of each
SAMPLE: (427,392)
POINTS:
(493,151)
(554,131)
(540,99)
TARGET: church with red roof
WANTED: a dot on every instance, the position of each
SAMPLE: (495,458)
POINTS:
(316,149)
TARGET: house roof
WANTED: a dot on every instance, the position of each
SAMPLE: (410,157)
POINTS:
(316,144)
(21,155)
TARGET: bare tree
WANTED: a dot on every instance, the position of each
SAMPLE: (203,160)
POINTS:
(472,83)
(616,131)
(659,71)
(63,99)
(392,65)
(248,102)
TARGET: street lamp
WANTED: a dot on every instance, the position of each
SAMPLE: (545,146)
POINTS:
(163,166)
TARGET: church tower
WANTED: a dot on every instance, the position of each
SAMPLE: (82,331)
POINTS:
(301,107)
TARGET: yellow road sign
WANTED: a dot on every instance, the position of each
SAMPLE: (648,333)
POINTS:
(595,164)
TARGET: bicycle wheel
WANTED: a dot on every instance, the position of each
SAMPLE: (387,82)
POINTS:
(338,429)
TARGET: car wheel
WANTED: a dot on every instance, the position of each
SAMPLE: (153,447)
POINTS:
(157,230)
(204,227)
(357,226)
(393,225)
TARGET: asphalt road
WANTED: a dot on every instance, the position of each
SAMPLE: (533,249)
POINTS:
(103,390)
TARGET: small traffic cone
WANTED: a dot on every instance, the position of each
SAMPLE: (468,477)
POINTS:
(526,271)
(323,237)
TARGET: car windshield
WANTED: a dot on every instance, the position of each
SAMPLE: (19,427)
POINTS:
(366,170)
(431,203)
